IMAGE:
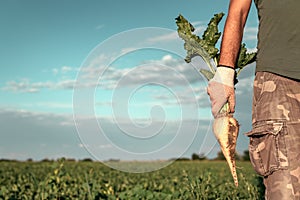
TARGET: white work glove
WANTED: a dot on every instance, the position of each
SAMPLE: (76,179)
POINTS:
(221,89)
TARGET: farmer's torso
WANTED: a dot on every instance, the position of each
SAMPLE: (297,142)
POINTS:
(279,37)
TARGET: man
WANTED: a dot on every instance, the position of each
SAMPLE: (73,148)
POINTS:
(275,136)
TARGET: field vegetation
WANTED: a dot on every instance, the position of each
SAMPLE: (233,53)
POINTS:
(70,179)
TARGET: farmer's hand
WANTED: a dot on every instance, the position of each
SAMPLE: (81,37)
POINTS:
(221,90)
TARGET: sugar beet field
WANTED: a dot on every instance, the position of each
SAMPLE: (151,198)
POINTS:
(94,180)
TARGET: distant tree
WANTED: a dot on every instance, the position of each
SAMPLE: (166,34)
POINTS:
(246,156)
(29,160)
(220,156)
(87,160)
(46,160)
(200,156)
(8,160)
(182,159)
(71,160)
(238,156)
(195,156)
(114,160)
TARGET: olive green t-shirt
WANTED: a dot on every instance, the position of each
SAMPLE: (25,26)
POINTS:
(279,37)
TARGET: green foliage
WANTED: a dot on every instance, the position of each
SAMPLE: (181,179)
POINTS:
(246,156)
(196,156)
(220,156)
(206,46)
(244,58)
(207,74)
(93,180)
(211,35)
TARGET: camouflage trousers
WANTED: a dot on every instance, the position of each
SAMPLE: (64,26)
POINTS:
(275,136)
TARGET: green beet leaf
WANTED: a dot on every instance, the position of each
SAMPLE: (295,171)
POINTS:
(206,46)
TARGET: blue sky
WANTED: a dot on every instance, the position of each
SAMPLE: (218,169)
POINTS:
(134,96)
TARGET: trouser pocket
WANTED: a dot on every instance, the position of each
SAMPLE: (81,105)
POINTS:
(267,147)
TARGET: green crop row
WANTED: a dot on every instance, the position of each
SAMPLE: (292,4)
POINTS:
(93,180)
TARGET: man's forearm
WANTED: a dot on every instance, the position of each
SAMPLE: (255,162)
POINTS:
(233,31)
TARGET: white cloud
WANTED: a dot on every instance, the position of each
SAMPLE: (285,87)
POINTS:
(105,146)
(53,105)
(65,84)
(55,71)
(26,86)
(39,135)
(81,145)
(185,98)
(164,38)
(66,69)
(167,71)
(167,58)
(250,33)
(100,26)
(127,50)
(199,28)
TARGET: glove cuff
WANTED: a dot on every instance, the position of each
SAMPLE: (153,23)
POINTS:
(224,75)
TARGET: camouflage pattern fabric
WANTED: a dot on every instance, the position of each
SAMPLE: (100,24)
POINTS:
(275,136)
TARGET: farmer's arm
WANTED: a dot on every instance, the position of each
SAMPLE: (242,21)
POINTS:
(221,88)
(233,31)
